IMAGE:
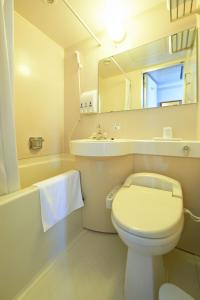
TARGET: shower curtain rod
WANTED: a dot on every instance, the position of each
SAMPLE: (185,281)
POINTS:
(82,22)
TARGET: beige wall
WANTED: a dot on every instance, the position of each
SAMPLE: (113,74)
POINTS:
(139,124)
(39,90)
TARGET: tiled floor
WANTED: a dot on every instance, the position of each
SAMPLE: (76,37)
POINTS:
(94,266)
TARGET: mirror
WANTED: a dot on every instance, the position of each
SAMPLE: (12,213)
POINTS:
(158,74)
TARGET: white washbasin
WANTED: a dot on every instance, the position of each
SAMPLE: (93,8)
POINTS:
(91,147)
(118,147)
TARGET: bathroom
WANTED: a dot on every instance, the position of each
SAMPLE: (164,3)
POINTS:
(56,59)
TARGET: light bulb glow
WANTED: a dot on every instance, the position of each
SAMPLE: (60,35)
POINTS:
(116,32)
(115,17)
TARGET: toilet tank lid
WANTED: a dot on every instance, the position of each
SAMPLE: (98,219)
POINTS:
(169,291)
(147,212)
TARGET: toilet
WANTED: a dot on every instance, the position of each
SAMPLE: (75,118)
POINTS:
(169,291)
(147,213)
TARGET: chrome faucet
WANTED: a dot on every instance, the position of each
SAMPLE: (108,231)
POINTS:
(100,134)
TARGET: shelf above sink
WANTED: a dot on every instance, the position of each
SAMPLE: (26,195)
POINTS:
(119,147)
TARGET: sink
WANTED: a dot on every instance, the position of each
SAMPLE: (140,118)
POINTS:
(108,147)
(119,147)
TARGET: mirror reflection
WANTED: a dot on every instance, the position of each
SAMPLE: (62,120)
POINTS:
(158,74)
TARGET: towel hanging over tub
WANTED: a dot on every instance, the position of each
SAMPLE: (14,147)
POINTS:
(59,196)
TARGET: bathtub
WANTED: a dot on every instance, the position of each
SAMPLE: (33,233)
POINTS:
(32,170)
(25,250)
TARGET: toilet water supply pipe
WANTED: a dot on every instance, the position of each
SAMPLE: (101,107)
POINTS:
(192,216)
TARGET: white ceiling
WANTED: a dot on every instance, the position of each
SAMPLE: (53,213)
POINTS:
(58,23)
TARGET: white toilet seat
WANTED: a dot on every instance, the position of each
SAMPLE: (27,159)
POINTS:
(147,212)
(169,291)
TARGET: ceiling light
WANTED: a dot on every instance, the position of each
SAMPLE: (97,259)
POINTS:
(116,32)
(115,20)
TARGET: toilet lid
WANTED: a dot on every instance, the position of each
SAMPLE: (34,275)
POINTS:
(169,291)
(147,212)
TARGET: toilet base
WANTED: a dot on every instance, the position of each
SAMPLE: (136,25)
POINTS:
(144,276)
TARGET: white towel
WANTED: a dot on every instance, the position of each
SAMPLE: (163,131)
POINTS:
(59,196)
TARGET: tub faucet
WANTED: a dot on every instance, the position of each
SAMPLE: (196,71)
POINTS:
(100,134)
